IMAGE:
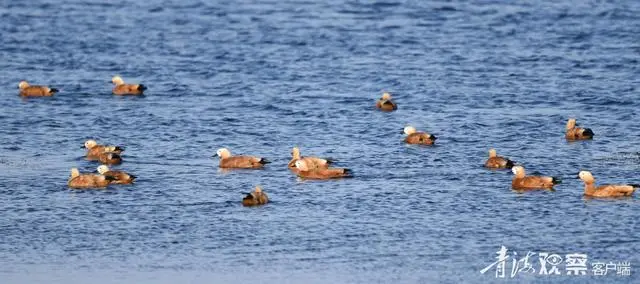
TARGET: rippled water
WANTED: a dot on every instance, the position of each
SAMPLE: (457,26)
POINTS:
(260,77)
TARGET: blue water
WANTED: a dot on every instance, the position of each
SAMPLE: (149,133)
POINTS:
(260,77)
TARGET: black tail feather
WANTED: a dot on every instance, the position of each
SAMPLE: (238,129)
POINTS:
(133,177)
(588,132)
(510,164)
(142,87)
(556,180)
(635,185)
(264,161)
(54,90)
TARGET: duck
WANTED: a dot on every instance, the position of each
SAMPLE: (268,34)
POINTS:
(78,180)
(304,171)
(93,149)
(497,162)
(119,177)
(123,89)
(573,132)
(385,103)
(418,138)
(256,197)
(609,190)
(107,158)
(27,90)
(522,182)
(313,162)
(239,162)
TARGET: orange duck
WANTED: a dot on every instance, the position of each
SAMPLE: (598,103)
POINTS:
(239,162)
(497,162)
(522,182)
(608,190)
(418,138)
(304,171)
(385,103)
(256,197)
(573,132)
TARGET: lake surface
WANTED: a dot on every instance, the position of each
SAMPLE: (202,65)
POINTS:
(260,77)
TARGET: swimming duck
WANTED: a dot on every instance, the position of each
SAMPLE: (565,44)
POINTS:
(121,88)
(521,181)
(93,149)
(78,180)
(304,171)
(385,103)
(420,138)
(577,133)
(313,162)
(608,190)
(107,158)
(27,90)
(257,197)
(119,177)
(497,162)
(239,162)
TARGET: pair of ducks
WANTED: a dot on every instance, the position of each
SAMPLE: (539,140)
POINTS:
(385,103)
(120,88)
(572,133)
(104,178)
(522,182)
(305,167)
(314,167)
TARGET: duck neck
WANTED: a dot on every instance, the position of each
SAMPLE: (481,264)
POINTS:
(589,188)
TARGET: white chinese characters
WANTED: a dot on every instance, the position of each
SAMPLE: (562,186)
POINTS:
(575,264)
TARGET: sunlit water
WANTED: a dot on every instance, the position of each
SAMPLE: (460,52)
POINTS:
(260,77)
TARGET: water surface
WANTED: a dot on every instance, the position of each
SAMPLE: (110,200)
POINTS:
(260,77)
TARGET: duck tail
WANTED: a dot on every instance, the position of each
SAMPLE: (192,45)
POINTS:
(556,180)
(264,161)
(510,164)
(132,177)
(635,185)
(588,132)
(54,90)
(141,87)
(348,173)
